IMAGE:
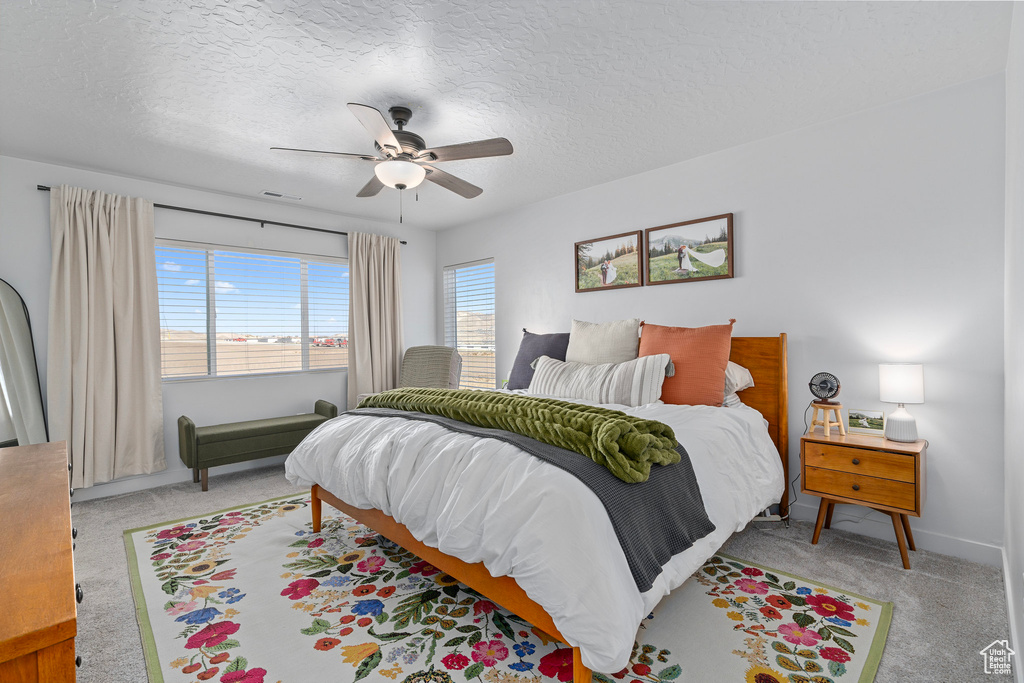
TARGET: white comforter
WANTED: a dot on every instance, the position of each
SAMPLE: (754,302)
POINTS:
(482,500)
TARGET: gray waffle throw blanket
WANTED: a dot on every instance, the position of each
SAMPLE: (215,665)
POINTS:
(653,520)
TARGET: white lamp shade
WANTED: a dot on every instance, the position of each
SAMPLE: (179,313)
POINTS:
(901,383)
(397,172)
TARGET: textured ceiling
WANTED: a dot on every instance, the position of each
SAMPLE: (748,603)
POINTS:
(195,92)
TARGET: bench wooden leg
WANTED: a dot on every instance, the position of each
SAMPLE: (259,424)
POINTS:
(206,478)
(580,673)
(316,505)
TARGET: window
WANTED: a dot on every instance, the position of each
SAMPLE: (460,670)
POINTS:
(228,313)
(469,320)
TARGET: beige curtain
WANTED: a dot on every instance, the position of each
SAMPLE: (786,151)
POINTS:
(374,314)
(103,367)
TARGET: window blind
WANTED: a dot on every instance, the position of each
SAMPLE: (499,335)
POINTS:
(241,312)
(469,320)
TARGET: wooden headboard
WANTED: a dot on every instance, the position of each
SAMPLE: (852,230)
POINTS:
(765,357)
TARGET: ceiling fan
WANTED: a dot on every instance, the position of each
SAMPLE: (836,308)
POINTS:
(406,157)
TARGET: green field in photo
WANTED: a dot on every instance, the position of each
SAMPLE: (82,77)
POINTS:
(663,267)
(858,420)
(626,273)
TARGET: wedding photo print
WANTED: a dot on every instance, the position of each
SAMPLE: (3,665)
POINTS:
(866,421)
(687,252)
(608,262)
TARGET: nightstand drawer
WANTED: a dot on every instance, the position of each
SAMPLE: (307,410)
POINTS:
(886,492)
(860,461)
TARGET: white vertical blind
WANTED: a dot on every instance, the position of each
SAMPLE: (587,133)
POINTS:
(240,312)
(469,320)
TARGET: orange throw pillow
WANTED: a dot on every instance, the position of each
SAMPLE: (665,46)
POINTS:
(700,356)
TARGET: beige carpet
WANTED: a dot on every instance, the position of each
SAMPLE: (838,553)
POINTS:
(946,609)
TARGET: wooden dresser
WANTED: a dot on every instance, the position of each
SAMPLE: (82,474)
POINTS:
(888,476)
(37,572)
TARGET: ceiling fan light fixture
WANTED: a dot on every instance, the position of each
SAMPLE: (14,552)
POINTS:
(397,173)
(406,157)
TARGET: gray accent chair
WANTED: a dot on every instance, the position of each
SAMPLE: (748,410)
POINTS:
(433,367)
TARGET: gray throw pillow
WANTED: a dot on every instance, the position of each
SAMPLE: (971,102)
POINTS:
(531,348)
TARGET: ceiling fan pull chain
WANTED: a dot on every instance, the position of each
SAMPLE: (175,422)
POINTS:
(400,193)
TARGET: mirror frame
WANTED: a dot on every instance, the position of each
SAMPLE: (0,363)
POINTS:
(35,361)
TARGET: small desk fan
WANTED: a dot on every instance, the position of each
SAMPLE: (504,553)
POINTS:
(825,386)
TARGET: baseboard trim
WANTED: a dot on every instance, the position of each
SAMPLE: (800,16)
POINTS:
(875,526)
(1013,602)
(170,476)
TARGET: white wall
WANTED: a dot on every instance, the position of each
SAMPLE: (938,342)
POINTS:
(870,238)
(1014,337)
(25,263)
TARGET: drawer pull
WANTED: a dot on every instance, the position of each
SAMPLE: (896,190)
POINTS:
(74,532)
(71,494)
(856,487)
(79,594)
(856,461)
(78,661)
(69,467)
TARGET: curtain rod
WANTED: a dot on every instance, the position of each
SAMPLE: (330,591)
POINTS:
(261,221)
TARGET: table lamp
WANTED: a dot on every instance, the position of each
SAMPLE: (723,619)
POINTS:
(901,383)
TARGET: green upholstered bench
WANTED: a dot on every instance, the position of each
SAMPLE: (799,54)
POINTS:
(204,447)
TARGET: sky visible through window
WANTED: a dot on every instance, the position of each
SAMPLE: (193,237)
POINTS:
(478,283)
(256,294)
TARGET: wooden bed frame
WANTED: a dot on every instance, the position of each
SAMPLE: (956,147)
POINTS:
(765,357)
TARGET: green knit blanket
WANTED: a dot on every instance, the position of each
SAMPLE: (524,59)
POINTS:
(626,445)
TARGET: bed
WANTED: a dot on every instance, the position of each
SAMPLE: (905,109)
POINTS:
(435,531)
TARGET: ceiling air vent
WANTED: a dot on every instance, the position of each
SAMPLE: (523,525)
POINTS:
(280,195)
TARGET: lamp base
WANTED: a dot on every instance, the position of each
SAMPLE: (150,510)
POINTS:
(901,426)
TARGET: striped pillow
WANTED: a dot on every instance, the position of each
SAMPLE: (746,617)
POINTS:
(632,383)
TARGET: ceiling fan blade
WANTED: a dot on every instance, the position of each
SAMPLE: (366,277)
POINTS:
(375,123)
(495,147)
(320,153)
(450,182)
(371,188)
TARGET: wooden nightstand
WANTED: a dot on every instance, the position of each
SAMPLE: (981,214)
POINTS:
(884,475)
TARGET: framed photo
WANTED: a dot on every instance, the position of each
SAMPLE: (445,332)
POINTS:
(690,251)
(609,262)
(866,421)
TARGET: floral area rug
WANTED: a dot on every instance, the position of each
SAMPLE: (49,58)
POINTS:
(251,595)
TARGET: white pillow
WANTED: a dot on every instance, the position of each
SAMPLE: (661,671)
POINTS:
(597,343)
(737,378)
(633,383)
(731,401)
